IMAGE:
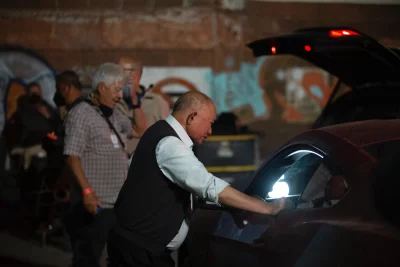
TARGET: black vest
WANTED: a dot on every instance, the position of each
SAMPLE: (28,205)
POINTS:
(150,208)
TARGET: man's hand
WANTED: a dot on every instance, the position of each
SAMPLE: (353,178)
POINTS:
(280,204)
(91,202)
(44,111)
(134,91)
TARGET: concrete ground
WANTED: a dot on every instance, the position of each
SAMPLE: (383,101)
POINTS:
(18,246)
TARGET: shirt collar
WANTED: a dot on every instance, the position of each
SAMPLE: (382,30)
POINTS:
(179,130)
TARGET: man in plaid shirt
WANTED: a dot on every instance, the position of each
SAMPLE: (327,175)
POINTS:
(95,139)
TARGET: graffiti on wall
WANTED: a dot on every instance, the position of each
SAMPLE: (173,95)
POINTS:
(284,88)
(296,89)
(239,90)
(18,68)
(280,88)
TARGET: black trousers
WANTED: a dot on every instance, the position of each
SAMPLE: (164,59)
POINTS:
(123,253)
(88,234)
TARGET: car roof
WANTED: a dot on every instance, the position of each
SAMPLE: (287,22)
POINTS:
(354,57)
(364,133)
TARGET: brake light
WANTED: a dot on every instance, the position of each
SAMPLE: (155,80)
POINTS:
(342,33)
(273,50)
(307,48)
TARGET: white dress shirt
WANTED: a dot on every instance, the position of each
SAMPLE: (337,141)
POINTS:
(179,164)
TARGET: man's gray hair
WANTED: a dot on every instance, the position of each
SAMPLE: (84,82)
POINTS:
(191,100)
(108,73)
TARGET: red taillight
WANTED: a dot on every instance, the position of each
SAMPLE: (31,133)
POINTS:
(273,50)
(307,48)
(341,33)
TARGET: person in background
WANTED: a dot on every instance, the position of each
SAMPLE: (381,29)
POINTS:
(95,138)
(154,107)
(25,131)
(164,171)
(68,95)
(229,123)
(132,96)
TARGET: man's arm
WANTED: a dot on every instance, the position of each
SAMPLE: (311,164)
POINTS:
(236,199)
(138,122)
(76,137)
(74,163)
(138,118)
(90,200)
(180,165)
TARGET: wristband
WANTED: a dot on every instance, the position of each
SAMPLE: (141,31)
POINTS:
(135,106)
(87,191)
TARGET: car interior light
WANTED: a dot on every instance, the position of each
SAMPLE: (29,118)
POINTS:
(279,189)
(342,33)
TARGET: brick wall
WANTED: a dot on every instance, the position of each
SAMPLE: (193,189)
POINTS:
(81,34)
(89,32)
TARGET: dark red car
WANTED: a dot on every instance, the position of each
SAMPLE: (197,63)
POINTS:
(328,174)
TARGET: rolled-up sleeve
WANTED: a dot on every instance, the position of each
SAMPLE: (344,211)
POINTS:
(179,164)
(76,133)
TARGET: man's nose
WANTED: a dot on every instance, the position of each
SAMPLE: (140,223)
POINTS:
(120,94)
(209,131)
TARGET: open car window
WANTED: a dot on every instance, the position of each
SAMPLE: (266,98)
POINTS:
(325,189)
(300,174)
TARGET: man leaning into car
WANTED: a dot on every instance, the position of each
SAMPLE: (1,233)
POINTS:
(152,204)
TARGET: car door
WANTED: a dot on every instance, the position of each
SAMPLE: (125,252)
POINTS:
(313,232)
(238,238)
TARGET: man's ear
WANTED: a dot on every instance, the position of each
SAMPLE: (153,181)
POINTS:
(190,118)
(101,87)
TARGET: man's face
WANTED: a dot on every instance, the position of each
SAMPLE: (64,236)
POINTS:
(63,89)
(111,95)
(199,123)
(133,72)
(336,188)
(35,90)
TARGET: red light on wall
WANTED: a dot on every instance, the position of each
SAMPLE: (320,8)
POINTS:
(273,50)
(342,33)
(307,48)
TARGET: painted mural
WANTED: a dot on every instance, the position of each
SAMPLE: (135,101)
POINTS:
(18,68)
(281,88)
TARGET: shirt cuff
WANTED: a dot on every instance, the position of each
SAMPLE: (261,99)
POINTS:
(71,152)
(219,187)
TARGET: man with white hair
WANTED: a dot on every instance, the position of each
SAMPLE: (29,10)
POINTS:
(95,138)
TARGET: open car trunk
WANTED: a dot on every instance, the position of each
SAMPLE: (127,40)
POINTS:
(371,69)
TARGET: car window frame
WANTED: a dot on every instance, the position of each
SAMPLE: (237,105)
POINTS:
(280,154)
(287,150)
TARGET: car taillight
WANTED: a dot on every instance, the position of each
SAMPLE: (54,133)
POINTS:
(342,33)
(307,48)
(273,50)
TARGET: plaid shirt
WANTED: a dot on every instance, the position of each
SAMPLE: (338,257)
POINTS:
(88,136)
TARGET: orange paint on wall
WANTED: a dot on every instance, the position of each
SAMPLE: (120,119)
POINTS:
(15,91)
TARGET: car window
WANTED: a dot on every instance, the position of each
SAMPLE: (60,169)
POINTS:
(303,175)
(286,175)
(325,188)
